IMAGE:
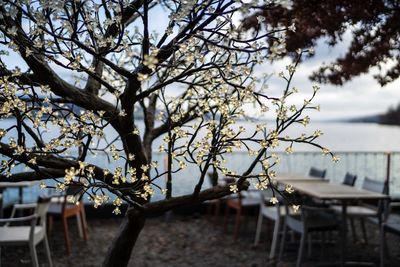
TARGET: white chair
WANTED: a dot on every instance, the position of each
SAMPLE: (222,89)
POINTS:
(390,224)
(309,220)
(27,235)
(364,211)
(275,213)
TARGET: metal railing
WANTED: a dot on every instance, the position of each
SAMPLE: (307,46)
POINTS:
(375,165)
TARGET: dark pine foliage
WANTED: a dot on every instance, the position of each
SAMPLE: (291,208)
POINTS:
(392,116)
(374,24)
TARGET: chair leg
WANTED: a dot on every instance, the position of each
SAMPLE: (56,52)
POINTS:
(309,243)
(47,250)
(323,244)
(209,210)
(49,225)
(364,231)
(259,227)
(226,218)
(237,224)
(382,247)
(330,237)
(275,238)
(301,249)
(353,230)
(292,237)
(386,248)
(79,224)
(283,240)
(83,214)
(245,220)
(66,236)
(32,249)
(217,210)
(83,225)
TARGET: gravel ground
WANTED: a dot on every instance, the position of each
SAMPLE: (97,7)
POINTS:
(186,241)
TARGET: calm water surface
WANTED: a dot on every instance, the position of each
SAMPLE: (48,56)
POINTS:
(359,136)
(339,137)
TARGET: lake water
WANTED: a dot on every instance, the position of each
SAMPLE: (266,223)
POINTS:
(359,136)
(361,147)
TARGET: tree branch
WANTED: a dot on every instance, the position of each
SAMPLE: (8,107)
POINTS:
(173,202)
(43,173)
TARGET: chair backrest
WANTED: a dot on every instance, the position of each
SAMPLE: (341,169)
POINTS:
(374,185)
(377,187)
(294,221)
(349,179)
(41,209)
(40,213)
(314,172)
(73,190)
(265,204)
(266,195)
(213,178)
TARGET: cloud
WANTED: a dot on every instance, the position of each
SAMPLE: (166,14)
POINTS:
(361,96)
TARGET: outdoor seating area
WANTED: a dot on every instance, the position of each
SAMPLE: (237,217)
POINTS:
(329,212)
(242,133)
(273,233)
(32,223)
(173,241)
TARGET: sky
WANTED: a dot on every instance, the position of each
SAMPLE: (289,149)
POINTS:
(362,96)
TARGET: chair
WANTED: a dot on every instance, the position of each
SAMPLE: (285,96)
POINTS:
(390,224)
(213,204)
(60,207)
(274,213)
(310,220)
(27,235)
(349,179)
(317,173)
(239,204)
(363,211)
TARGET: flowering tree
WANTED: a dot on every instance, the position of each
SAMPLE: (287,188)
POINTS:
(191,81)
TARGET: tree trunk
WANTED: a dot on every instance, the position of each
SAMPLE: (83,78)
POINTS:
(120,250)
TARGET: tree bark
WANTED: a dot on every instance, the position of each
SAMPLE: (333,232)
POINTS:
(120,251)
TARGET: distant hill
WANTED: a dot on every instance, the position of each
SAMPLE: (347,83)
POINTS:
(370,119)
(391,117)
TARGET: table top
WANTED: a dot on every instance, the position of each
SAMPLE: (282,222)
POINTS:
(289,177)
(332,191)
(17,184)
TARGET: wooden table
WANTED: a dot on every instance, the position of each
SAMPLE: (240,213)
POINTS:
(343,193)
(332,191)
(288,178)
(19,185)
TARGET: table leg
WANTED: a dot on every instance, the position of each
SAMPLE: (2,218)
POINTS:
(1,203)
(20,213)
(20,194)
(344,234)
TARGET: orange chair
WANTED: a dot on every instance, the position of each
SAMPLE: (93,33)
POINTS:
(214,205)
(60,207)
(239,204)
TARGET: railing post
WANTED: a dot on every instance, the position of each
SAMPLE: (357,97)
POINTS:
(387,181)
